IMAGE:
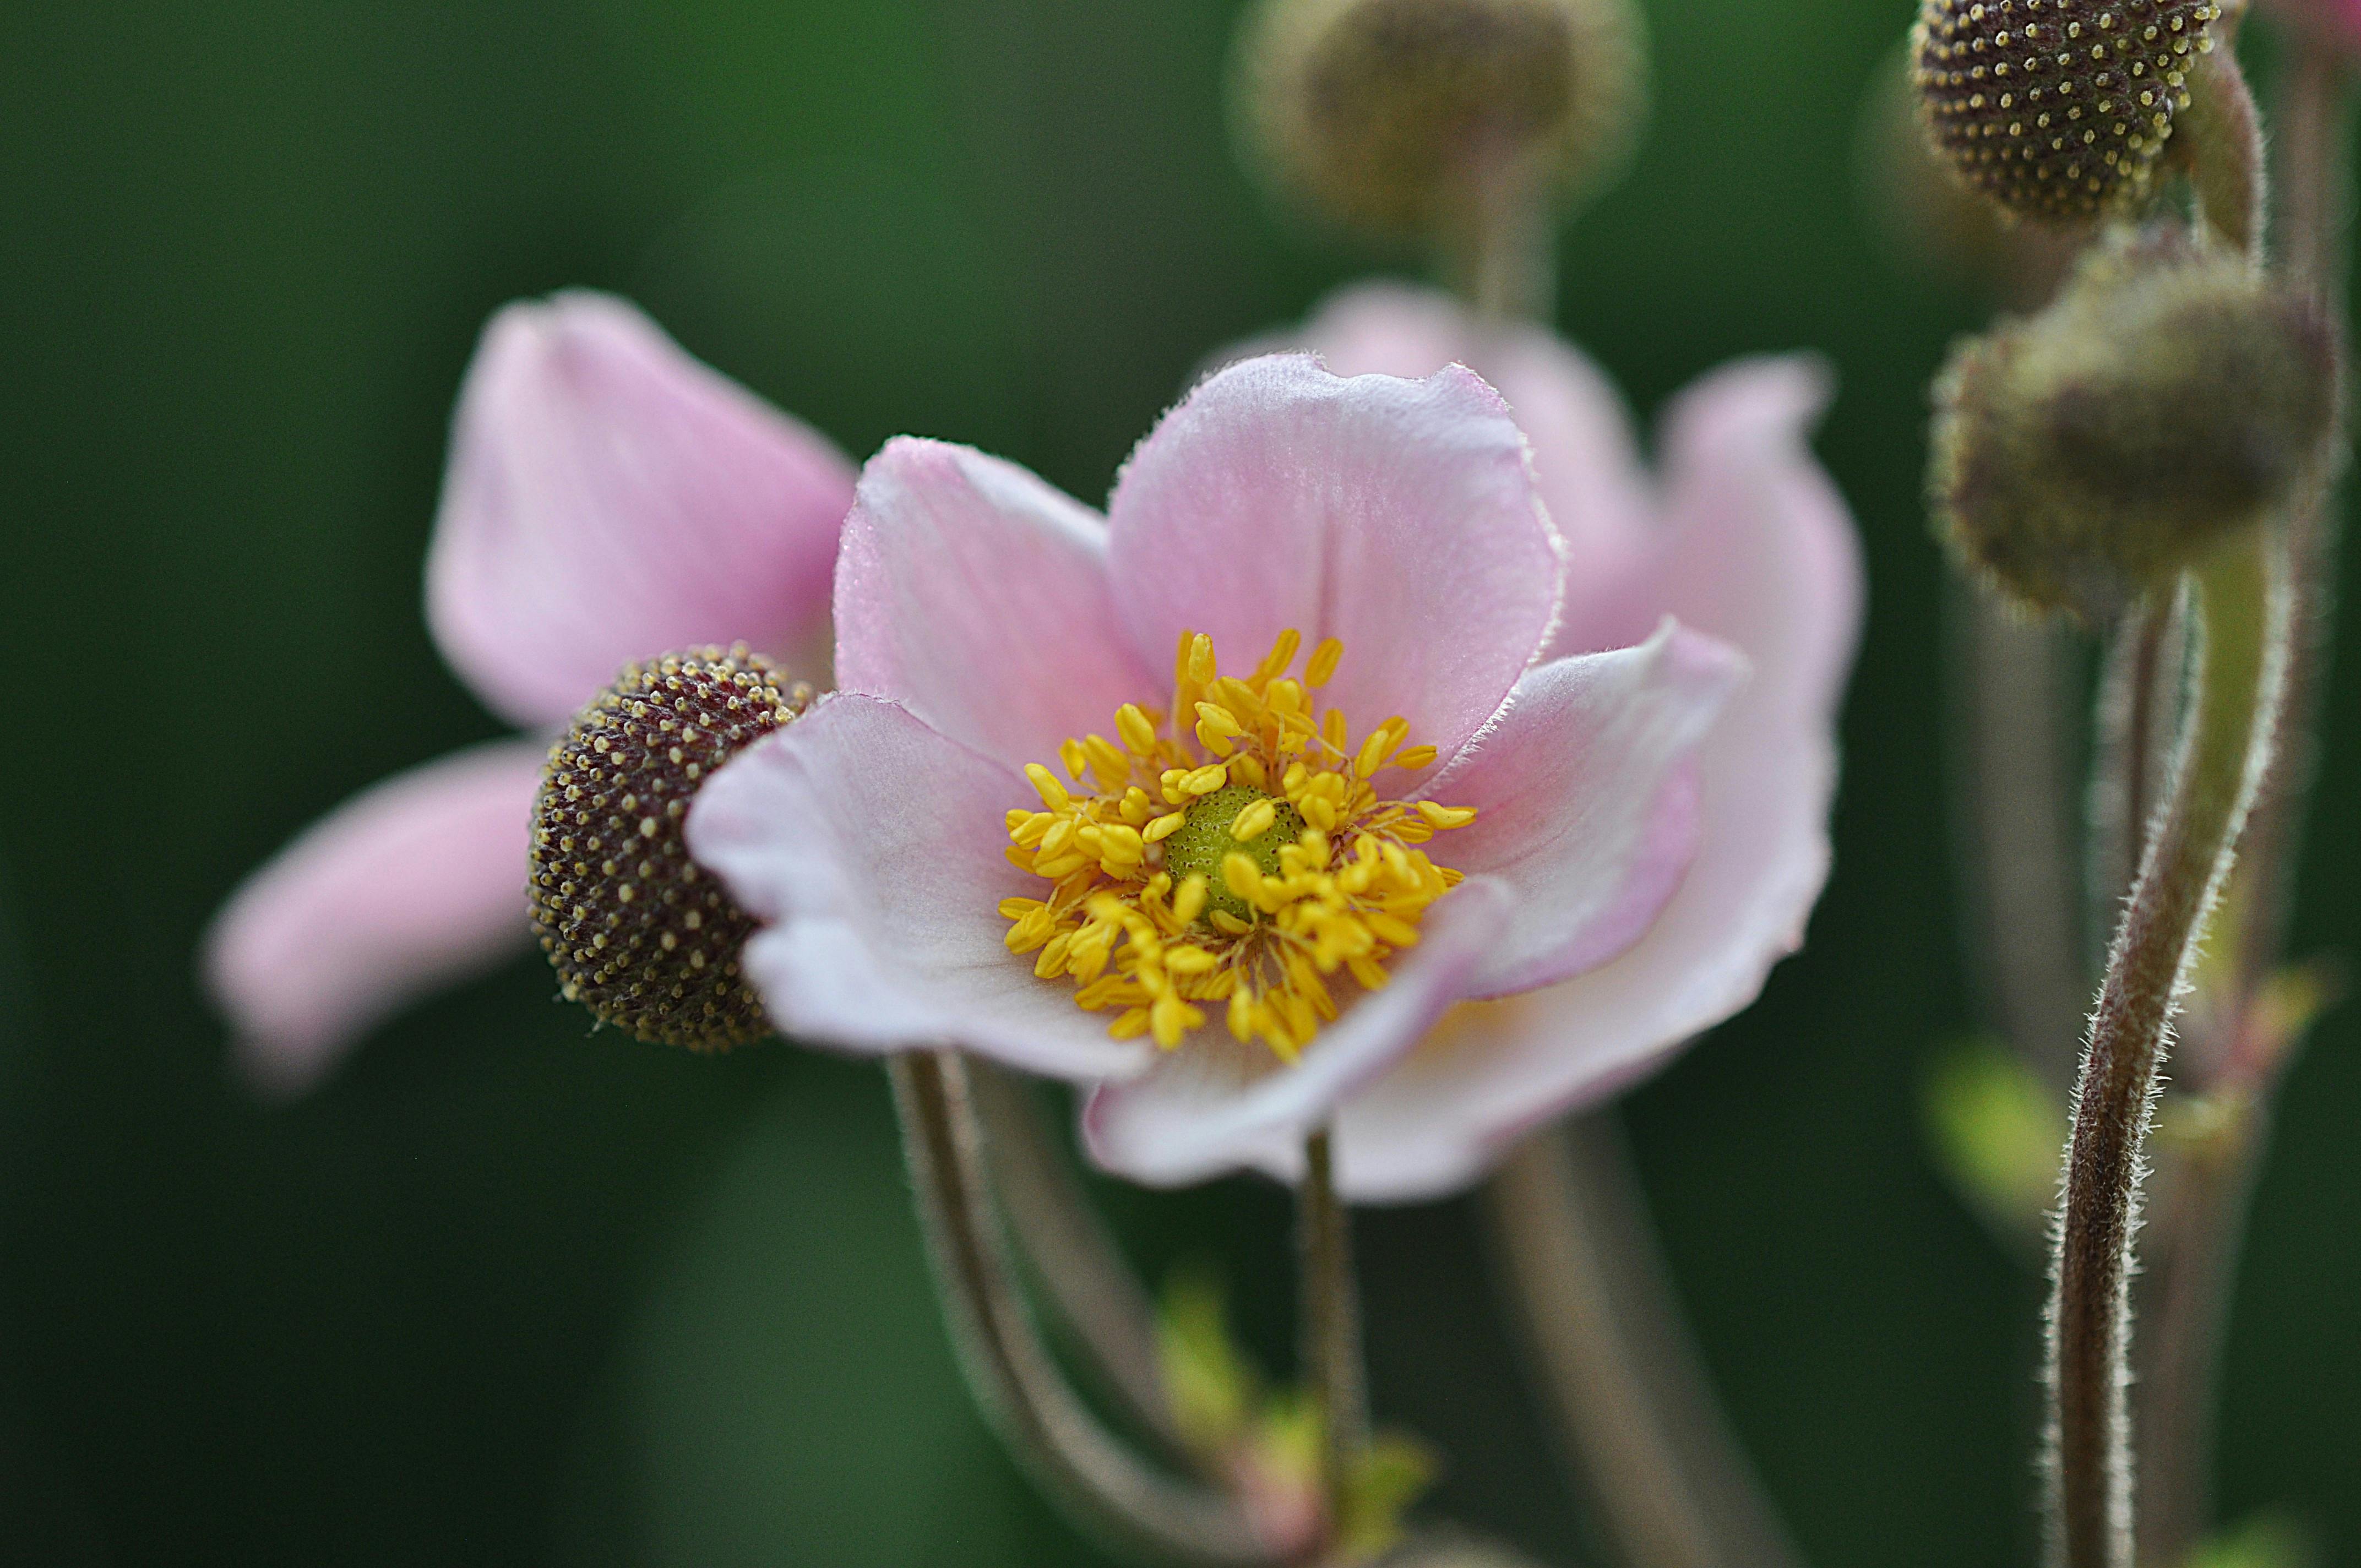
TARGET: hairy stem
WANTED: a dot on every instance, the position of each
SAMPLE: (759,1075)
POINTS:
(2231,713)
(1616,1377)
(1073,1459)
(1330,1306)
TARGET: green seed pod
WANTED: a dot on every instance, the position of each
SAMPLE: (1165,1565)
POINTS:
(2055,109)
(2172,394)
(638,933)
(1396,116)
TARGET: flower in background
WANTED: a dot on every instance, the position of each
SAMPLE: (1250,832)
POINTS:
(1742,537)
(607,497)
(1221,799)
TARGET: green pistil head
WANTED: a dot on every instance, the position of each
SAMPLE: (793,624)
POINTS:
(1200,844)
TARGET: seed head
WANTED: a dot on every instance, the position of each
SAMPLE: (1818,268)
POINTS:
(2172,394)
(2055,109)
(1391,115)
(637,931)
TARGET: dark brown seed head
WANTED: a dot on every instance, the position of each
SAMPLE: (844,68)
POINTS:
(2055,109)
(637,931)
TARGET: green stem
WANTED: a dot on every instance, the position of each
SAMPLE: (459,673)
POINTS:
(1102,1485)
(2243,601)
(1330,1315)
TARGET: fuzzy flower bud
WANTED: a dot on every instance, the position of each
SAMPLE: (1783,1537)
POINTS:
(2172,394)
(2056,109)
(1391,115)
(637,931)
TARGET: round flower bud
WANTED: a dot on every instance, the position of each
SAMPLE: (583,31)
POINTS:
(2055,109)
(1396,116)
(2171,394)
(637,931)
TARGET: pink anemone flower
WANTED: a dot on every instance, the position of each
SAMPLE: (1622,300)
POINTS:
(1744,538)
(608,498)
(1220,801)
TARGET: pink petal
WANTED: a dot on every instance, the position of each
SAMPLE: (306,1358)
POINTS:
(873,847)
(609,498)
(1763,556)
(1585,460)
(1399,516)
(1586,802)
(409,886)
(976,595)
(1213,1106)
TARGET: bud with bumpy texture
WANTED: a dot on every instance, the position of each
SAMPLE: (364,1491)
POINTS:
(2056,109)
(1391,115)
(638,933)
(2172,394)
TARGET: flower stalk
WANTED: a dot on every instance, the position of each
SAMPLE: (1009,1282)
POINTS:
(1071,1457)
(1330,1305)
(2242,600)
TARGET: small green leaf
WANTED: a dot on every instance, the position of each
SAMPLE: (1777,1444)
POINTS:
(2265,1541)
(1998,1133)
(1213,1387)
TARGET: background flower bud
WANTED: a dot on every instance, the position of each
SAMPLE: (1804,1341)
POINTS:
(1393,115)
(2171,394)
(636,930)
(2055,109)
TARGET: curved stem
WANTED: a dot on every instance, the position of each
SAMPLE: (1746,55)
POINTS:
(1052,1434)
(1075,1261)
(2227,738)
(1331,1310)
(1672,1487)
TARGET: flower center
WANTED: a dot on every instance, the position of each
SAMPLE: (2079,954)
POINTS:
(1234,817)
(1236,852)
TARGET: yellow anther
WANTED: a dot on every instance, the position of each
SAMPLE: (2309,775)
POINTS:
(1107,761)
(1241,875)
(1205,780)
(1190,960)
(1390,929)
(1120,843)
(1201,668)
(1374,751)
(1164,826)
(1324,662)
(1076,758)
(1017,909)
(1129,1025)
(1190,902)
(1054,793)
(1220,719)
(1254,821)
(1213,740)
(1446,816)
(1415,757)
(1333,730)
(1282,653)
(1138,731)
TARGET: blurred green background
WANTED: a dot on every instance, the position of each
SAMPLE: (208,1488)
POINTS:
(504,1293)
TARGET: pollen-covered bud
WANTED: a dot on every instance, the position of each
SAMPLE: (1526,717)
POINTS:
(2173,393)
(637,931)
(1398,115)
(2056,109)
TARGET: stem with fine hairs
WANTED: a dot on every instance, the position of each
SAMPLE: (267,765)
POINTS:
(1329,1305)
(1100,1484)
(1618,1378)
(2240,620)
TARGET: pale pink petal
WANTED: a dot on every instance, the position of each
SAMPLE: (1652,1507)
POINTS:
(417,883)
(1213,1106)
(1762,554)
(1584,458)
(872,847)
(1585,797)
(609,498)
(976,595)
(1398,516)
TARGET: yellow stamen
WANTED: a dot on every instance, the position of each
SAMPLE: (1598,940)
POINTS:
(1292,870)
